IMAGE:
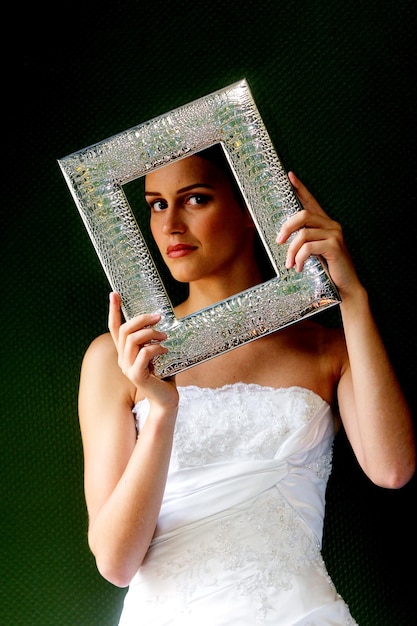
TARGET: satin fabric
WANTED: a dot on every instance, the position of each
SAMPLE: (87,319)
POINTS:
(239,533)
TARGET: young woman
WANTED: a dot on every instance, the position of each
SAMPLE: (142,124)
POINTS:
(205,493)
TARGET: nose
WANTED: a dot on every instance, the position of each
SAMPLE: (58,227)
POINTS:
(172,222)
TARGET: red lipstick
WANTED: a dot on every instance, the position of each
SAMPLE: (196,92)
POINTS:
(179,250)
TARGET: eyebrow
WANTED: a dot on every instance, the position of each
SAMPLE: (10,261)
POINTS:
(193,186)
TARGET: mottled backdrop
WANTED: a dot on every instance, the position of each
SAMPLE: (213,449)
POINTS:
(335,84)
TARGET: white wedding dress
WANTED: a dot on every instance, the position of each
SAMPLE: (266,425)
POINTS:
(239,534)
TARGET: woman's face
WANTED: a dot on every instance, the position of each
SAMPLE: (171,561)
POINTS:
(197,222)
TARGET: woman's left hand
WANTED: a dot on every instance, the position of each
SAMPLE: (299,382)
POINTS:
(317,234)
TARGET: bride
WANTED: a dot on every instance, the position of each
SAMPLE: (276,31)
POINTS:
(206,492)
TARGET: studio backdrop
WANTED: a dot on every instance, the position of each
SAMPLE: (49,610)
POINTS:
(335,86)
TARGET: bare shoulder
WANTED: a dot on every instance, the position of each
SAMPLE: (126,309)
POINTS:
(101,376)
(317,337)
(102,347)
(315,356)
(327,343)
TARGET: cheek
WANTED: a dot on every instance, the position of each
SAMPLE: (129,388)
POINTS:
(154,225)
(214,233)
(229,226)
(155,231)
(213,228)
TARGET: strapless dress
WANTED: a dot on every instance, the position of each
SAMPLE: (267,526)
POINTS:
(238,540)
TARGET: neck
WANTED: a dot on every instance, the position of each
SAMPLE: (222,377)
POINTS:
(207,292)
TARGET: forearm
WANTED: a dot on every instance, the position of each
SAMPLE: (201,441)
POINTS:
(121,531)
(382,432)
(372,406)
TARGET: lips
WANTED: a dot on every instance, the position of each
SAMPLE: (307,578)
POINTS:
(180,249)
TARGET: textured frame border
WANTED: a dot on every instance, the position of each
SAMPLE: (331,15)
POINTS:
(95,176)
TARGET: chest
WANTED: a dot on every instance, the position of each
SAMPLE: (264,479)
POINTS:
(275,361)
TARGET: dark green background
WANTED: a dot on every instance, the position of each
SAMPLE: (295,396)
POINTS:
(335,85)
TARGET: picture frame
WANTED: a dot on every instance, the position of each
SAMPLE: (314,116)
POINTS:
(96,174)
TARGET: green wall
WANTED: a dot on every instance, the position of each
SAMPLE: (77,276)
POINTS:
(335,85)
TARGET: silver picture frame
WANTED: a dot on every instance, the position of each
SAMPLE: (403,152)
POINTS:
(95,176)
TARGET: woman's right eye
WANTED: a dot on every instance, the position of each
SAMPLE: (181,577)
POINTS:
(158,205)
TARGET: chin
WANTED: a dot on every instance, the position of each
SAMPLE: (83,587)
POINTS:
(181,278)
(183,274)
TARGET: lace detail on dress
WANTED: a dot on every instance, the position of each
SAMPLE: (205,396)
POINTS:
(269,560)
(240,527)
(322,466)
(225,423)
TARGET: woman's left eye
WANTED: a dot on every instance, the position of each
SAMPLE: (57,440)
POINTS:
(197,199)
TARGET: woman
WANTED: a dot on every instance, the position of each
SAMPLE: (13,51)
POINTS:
(205,493)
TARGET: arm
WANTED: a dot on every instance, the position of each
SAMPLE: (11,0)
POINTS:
(124,475)
(372,406)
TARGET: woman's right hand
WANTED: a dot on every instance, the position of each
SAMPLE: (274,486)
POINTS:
(138,343)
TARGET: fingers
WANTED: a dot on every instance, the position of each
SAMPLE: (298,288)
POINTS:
(310,215)
(136,341)
(313,235)
(115,315)
(313,231)
(144,341)
(302,219)
(306,198)
(301,248)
